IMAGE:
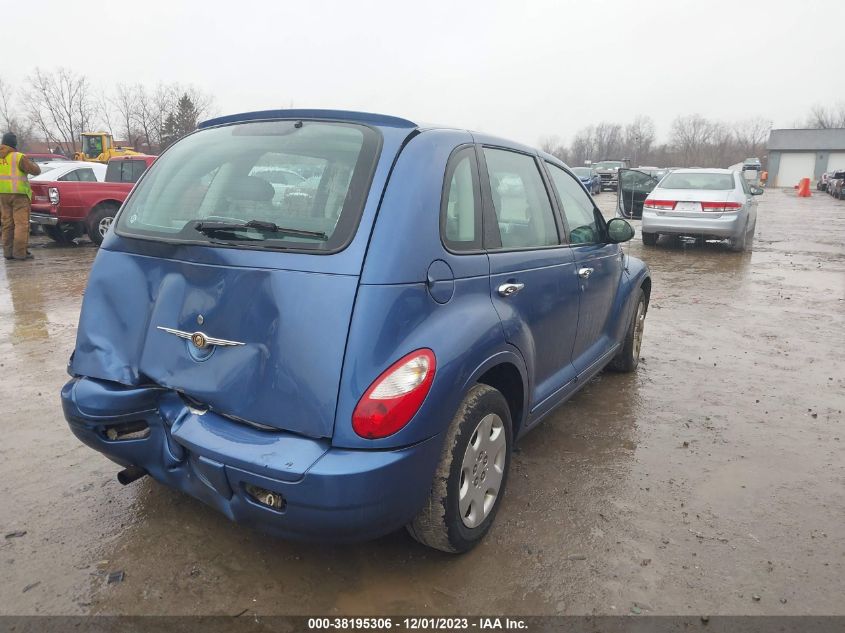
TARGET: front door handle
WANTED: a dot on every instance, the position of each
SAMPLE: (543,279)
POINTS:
(508,289)
(584,273)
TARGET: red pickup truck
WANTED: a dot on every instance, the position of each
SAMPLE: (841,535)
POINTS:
(70,209)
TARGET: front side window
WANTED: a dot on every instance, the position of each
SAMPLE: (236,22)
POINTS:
(523,210)
(298,184)
(461,205)
(578,208)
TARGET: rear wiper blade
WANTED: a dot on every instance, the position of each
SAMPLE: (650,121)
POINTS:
(259,225)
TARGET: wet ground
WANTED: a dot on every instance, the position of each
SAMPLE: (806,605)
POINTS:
(711,481)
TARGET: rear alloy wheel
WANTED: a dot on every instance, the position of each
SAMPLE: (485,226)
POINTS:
(99,221)
(63,232)
(470,479)
(649,239)
(628,357)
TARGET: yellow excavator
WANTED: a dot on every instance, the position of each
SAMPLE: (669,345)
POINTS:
(99,147)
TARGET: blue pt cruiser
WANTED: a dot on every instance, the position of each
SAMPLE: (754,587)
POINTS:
(329,325)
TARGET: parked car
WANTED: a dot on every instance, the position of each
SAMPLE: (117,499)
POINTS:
(85,198)
(703,203)
(45,158)
(609,172)
(590,178)
(71,171)
(364,363)
(282,180)
(835,184)
(821,183)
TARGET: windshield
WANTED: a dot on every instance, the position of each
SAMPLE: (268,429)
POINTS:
(609,164)
(698,180)
(306,176)
(582,172)
(92,145)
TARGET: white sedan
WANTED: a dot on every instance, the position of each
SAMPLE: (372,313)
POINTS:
(71,170)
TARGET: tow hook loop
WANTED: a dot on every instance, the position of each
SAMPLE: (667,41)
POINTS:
(128,475)
(266,497)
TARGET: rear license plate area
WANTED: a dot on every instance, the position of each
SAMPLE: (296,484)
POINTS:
(688,206)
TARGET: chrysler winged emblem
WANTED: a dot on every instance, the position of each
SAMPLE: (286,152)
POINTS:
(199,339)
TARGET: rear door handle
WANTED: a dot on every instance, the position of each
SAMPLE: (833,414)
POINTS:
(508,289)
(584,273)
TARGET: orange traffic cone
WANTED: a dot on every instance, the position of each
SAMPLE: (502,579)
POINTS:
(804,188)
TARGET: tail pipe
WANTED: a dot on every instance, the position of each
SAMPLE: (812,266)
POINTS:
(128,475)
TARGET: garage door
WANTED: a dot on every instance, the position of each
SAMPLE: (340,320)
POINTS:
(836,161)
(794,166)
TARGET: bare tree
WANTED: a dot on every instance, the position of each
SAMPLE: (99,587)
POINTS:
(640,135)
(583,146)
(827,117)
(125,105)
(720,150)
(11,119)
(751,135)
(688,136)
(554,146)
(154,108)
(608,140)
(60,105)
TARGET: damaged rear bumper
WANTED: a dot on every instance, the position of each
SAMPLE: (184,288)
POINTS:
(328,493)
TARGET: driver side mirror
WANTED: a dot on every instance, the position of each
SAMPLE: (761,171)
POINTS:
(757,191)
(618,230)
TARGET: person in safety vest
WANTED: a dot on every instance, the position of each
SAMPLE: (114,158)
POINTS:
(15,196)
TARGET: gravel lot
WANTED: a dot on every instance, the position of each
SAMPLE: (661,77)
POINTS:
(711,481)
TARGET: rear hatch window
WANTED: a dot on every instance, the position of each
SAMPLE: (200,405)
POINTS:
(289,185)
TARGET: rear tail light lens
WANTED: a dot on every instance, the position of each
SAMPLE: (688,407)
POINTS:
(395,396)
(53,192)
(721,207)
(660,205)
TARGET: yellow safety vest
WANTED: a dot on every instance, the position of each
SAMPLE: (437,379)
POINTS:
(12,179)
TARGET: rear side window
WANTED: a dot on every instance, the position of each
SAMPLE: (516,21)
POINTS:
(460,209)
(698,180)
(578,208)
(301,185)
(125,170)
(523,210)
(135,169)
(86,174)
(71,176)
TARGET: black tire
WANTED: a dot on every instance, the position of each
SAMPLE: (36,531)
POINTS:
(97,219)
(64,232)
(628,357)
(439,523)
(649,239)
(739,244)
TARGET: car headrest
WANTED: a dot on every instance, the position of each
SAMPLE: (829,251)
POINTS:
(251,189)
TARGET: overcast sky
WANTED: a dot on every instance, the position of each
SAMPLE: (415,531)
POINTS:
(522,69)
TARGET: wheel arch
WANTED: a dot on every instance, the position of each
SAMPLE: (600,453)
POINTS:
(105,202)
(505,371)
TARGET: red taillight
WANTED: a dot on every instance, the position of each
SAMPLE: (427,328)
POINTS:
(395,396)
(661,205)
(720,207)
